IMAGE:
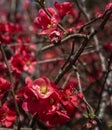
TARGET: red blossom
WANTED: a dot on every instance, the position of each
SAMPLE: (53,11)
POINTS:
(109,6)
(43,21)
(29,64)
(4,86)
(71,100)
(37,93)
(64,8)
(30,98)
(108,47)
(56,118)
(7,116)
(5,39)
(43,87)
(20,63)
(55,36)
(12,28)
(30,103)
(17,63)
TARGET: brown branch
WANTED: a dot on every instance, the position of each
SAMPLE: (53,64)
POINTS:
(64,40)
(13,8)
(89,107)
(81,48)
(74,59)
(50,60)
(81,9)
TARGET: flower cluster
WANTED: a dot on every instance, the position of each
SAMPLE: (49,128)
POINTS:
(48,20)
(79,66)
(43,99)
(7,30)
(26,62)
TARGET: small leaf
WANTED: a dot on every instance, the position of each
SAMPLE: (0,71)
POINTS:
(86,115)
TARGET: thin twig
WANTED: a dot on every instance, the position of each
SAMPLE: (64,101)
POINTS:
(64,40)
(81,48)
(50,60)
(89,107)
(68,58)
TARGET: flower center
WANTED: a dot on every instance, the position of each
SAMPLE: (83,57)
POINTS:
(43,90)
(49,26)
(28,63)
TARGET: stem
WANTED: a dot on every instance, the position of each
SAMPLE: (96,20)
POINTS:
(13,7)
(89,107)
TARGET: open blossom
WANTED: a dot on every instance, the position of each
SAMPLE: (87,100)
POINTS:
(57,117)
(30,97)
(109,6)
(7,116)
(29,64)
(43,21)
(44,96)
(70,100)
(43,87)
(39,92)
(48,104)
(64,9)
(30,100)
(20,63)
(4,86)
(48,21)
(6,31)
(17,63)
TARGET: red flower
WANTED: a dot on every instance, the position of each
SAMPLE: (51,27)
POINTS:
(25,62)
(37,93)
(55,36)
(43,87)
(29,64)
(30,104)
(5,39)
(4,86)
(43,21)
(31,98)
(71,100)
(108,47)
(54,118)
(2,27)
(64,8)
(17,64)
(7,116)
(109,6)
(12,28)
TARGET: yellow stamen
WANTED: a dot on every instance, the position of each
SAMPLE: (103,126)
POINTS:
(28,63)
(49,26)
(43,89)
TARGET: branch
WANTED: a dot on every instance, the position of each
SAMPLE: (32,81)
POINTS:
(81,48)
(64,40)
(11,79)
